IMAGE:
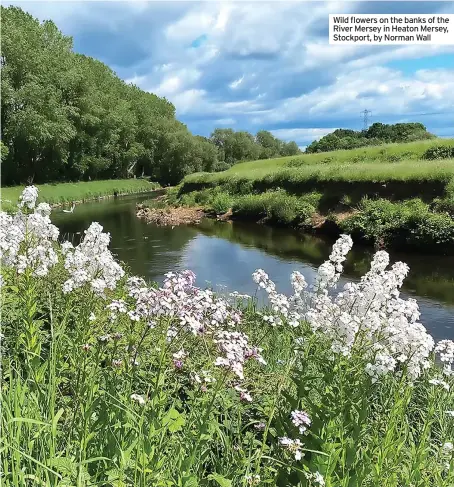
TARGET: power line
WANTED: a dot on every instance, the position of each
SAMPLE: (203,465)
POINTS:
(365,114)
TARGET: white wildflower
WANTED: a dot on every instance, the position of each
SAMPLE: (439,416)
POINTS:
(294,446)
(438,382)
(138,398)
(369,315)
(252,479)
(91,262)
(448,447)
(301,420)
(28,197)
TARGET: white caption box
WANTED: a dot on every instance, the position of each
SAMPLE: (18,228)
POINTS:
(374,29)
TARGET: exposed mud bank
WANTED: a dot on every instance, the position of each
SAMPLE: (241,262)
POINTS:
(171,216)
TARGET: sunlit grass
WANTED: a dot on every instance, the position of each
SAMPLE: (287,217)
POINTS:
(80,191)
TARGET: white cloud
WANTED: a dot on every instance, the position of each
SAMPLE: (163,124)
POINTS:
(225,121)
(385,91)
(191,26)
(176,81)
(136,80)
(188,100)
(234,84)
(301,133)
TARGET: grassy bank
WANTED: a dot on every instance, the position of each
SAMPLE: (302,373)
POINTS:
(406,204)
(412,151)
(61,193)
(107,380)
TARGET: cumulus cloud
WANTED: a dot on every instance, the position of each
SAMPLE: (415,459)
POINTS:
(262,66)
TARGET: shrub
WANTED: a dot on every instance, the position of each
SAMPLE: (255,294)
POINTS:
(276,206)
(410,224)
(250,206)
(204,197)
(221,203)
(189,199)
(240,186)
(439,152)
(221,166)
(295,162)
(312,198)
(444,205)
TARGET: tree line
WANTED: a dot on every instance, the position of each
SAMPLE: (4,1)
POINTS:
(376,134)
(68,117)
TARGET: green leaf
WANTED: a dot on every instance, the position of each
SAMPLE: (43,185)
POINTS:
(222,481)
(173,420)
(189,481)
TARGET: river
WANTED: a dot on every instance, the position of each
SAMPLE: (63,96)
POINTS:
(223,255)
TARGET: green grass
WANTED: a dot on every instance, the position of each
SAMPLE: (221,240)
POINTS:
(404,171)
(378,154)
(396,163)
(67,192)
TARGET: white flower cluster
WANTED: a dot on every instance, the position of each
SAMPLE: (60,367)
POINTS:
(236,350)
(447,450)
(439,382)
(198,311)
(294,446)
(316,477)
(279,302)
(445,349)
(27,240)
(244,394)
(91,262)
(368,315)
(301,420)
(28,197)
(139,399)
(203,379)
(252,479)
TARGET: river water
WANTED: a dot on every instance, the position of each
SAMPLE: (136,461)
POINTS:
(223,255)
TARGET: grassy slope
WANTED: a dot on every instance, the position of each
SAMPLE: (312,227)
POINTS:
(401,162)
(67,192)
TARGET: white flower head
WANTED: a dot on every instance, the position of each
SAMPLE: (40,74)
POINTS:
(139,399)
(28,197)
(294,446)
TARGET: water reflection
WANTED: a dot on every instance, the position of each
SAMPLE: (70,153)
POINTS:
(226,254)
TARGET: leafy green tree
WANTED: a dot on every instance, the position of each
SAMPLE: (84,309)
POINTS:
(68,117)
(290,149)
(376,134)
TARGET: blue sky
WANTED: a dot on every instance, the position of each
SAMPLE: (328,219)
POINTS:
(264,65)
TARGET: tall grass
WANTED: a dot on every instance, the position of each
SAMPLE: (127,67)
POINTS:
(407,172)
(60,193)
(114,382)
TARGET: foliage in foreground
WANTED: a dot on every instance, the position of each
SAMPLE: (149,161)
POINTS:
(110,381)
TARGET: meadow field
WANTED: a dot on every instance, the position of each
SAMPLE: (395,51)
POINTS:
(393,194)
(108,380)
(377,154)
